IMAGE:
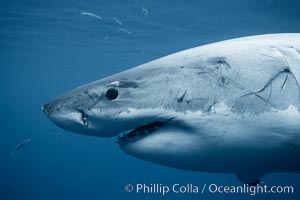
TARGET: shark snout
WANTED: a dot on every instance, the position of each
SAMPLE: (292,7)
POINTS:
(54,107)
(65,117)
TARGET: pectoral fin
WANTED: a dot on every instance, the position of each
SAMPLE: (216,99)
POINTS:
(250,178)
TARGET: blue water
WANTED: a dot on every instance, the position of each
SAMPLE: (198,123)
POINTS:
(47,48)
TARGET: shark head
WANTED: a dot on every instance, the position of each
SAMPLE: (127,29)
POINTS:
(141,108)
(138,107)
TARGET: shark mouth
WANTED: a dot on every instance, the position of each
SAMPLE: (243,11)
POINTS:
(139,132)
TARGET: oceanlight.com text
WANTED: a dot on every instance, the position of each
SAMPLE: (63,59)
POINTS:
(189,188)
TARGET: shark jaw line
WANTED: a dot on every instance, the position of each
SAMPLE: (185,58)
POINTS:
(146,122)
(138,133)
(160,119)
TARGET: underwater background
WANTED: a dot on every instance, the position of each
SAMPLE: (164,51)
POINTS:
(48,47)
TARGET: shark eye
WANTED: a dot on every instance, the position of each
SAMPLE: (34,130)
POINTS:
(112,93)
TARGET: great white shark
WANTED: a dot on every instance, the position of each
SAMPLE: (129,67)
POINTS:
(227,107)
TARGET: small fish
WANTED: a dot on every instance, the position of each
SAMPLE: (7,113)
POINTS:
(145,12)
(91,15)
(117,21)
(106,37)
(124,30)
(19,146)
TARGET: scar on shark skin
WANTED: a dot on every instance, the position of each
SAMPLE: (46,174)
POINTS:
(180,99)
(268,84)
(124,84)
(218,61)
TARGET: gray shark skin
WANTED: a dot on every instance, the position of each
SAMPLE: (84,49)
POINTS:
(226,107)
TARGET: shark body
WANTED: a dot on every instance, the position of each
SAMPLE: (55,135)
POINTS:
(226,107)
